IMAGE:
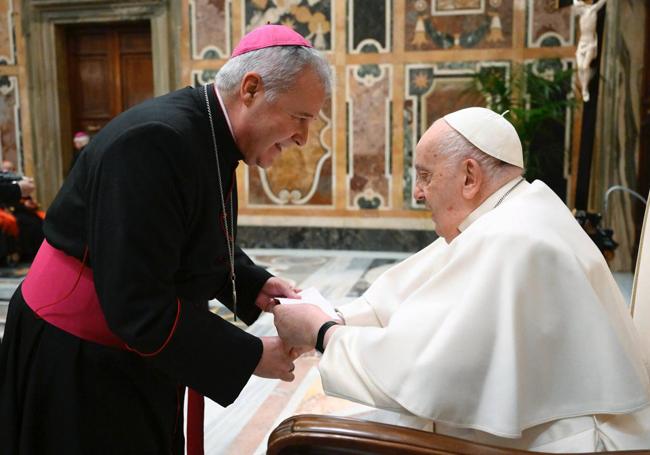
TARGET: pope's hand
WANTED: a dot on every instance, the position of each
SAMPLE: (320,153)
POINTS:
(276,361)
(274,287)
(298,323)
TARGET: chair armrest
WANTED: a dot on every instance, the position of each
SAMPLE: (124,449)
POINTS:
(317,434)
(324,435)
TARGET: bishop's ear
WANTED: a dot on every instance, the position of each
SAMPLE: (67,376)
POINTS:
(473,178)
(251,87)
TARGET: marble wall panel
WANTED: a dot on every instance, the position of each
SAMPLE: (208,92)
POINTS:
(7,48)
(210,28)
(369,100)
(458,24)
(300,176)
(311,18)
(10,131)
(410,138)
(431,91)
(548,26)
(369,32)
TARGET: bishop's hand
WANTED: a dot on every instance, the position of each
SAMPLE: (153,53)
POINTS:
(276,361)
(275,287)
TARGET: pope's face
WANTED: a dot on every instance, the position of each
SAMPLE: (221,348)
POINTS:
(270,127)
(439,182)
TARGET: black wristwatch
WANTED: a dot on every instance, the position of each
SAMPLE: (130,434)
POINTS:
(321,335)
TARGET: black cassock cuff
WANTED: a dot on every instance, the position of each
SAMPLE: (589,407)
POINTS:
(209,354)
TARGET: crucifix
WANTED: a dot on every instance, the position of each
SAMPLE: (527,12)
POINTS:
(587,48)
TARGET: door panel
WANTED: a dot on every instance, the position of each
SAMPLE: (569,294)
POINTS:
(109,70)
(94,88)
(137,79)
(136,68)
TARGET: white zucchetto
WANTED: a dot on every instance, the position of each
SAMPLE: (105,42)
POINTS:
(490,132)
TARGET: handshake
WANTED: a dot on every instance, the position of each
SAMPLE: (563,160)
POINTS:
(298,328)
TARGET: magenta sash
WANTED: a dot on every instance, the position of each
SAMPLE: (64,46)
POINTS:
(60,289)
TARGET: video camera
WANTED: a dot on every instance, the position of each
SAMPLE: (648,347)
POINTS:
(9,177)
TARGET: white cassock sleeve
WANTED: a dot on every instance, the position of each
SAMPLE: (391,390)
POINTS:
(343,375)
(394,286)
(359,313)
(341,367)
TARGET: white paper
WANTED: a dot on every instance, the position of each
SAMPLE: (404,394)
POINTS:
(313,296)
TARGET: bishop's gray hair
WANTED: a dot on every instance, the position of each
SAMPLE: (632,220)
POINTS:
(278,66)
(457,148)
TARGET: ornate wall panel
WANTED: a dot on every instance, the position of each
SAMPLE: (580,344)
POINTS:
(210,22)
(311,18)
(300,176)
(369,96)
(369,32)
(548,27)
(7,47)
(458,24)
(10,131)
(433,90)
(12,83)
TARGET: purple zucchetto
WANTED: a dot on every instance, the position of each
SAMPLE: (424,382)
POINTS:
(269,36)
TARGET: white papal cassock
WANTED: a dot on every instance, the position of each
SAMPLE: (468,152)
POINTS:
(514,334)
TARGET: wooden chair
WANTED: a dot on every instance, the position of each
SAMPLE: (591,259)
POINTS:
(324,435)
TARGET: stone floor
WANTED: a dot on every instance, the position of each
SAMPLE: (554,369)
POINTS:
(243,428)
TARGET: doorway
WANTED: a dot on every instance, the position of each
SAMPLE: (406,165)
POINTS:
(109,69)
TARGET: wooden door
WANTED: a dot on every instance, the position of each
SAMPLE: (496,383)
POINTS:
(109,70)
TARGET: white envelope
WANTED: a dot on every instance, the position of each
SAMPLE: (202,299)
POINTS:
(313,296)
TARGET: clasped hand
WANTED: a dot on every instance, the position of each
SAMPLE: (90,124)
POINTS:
(297,326)
(277,358)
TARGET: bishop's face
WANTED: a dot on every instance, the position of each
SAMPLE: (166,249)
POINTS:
(270,127)
(439,182)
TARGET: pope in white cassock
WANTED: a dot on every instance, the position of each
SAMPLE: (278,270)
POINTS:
(508,330)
